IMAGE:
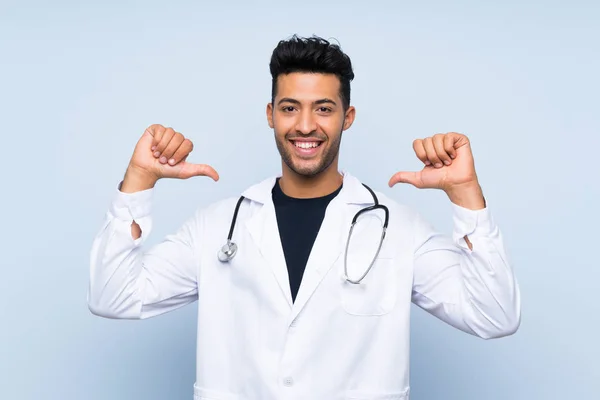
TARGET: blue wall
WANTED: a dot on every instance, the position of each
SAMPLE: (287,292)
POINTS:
(79,84)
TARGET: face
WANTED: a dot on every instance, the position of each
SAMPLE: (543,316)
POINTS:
(308,118)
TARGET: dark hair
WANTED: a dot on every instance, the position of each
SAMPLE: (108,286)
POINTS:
(312,54)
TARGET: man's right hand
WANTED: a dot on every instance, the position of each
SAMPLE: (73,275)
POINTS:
(161,153)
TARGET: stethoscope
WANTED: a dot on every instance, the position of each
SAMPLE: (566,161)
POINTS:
(229,250)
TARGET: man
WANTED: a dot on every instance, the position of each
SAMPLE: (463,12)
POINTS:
(292,315)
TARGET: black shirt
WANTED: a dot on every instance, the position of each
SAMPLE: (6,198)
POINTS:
(299,221)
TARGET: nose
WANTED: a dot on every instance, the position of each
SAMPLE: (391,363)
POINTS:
(306,123)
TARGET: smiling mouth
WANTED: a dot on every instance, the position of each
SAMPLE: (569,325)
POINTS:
(306,144)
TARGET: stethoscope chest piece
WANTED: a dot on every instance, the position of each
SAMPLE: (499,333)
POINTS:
(228,251)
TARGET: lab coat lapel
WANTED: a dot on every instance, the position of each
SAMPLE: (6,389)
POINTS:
(325,252)
(264,231)
(331,239)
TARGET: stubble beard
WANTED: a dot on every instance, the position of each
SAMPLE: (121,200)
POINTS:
(323,163)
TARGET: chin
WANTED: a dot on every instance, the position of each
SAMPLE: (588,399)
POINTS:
(306,171)
(306,168)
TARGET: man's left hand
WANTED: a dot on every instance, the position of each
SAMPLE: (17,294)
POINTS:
(449,166)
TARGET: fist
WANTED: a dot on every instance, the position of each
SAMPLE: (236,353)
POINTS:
(161,153)
(448,163)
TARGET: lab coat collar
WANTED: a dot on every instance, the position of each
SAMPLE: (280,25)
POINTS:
(328,245)
(353,192)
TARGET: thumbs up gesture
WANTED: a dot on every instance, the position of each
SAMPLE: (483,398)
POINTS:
(449,166)
(161,153)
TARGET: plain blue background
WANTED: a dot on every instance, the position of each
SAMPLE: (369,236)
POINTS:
(79,83)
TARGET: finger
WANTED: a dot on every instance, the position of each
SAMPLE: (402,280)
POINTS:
(420,151)
(172,146)
(413,178)
(156,131)
(449,140)
(438,144)
(164,141)
(158,135)
(190,170)
(431,153)
(182,152)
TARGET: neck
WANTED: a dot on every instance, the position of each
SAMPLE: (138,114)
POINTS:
(306,187)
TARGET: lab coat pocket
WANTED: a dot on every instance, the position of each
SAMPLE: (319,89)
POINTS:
(209,394)
(367,395)
(375,294)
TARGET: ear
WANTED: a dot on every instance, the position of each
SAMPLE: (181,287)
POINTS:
(270,114)
(349,117)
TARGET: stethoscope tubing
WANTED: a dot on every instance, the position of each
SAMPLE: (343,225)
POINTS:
(229,250)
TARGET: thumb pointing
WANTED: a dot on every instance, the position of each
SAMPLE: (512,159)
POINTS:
(413,178)
(191,170)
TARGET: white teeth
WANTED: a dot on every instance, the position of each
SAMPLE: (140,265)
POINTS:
(306,145)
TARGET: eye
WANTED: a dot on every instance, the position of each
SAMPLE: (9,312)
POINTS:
(324,109)
(287,109)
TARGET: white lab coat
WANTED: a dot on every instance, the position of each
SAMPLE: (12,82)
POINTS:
(337,340)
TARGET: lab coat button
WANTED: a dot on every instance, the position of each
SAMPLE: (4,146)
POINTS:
(288,381)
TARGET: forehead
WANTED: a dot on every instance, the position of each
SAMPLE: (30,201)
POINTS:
(308,86)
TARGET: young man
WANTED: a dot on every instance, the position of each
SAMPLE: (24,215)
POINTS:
(292,315)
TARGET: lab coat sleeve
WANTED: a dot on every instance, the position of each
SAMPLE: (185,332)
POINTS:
(130,281)
(473,290)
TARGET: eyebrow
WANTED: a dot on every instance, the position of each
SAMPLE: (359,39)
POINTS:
(317,102)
